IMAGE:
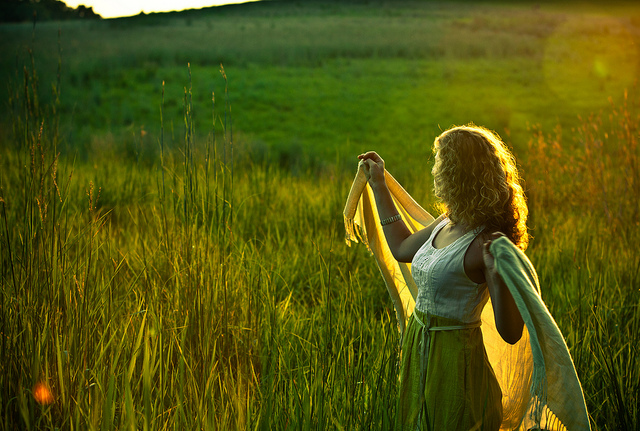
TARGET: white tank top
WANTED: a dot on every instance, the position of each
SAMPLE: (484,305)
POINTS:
(443,286)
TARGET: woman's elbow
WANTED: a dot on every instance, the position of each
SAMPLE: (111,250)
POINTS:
(511,334)
(401,257)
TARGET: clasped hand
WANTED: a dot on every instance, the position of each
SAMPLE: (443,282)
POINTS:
(373,167)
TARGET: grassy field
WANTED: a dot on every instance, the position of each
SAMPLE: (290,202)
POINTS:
(168,262)
(300,70)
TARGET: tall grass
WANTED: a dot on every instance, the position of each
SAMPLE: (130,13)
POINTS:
(584,198)
(204,294)
(190,297)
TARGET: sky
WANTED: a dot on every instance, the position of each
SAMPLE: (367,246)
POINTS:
(117,8)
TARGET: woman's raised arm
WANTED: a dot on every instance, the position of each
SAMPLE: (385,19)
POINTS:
(402,243)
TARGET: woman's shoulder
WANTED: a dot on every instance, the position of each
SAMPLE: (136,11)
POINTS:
(425,233)
(474,264)
(415,241)
(437,221)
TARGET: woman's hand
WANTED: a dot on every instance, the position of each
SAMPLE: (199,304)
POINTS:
(373,167)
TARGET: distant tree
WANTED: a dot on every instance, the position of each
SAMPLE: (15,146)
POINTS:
(86,12)
(42,10)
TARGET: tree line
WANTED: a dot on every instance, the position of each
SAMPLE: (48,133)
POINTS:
(42,10)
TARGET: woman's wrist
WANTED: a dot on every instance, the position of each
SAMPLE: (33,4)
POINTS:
(379,184)
(390,220)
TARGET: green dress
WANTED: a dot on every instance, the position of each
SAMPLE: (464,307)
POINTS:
(446,381)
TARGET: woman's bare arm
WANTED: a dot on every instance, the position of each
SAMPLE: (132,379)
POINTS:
(508,319)
(402,243)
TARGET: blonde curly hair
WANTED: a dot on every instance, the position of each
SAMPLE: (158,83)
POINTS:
(477,182)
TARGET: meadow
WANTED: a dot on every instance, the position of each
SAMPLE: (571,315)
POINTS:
(172,248)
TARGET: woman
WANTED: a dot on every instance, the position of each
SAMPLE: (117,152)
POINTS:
(446,381)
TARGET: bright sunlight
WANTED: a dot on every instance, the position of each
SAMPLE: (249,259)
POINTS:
(120,8)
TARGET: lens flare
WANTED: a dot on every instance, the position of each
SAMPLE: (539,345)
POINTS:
(590,58)
(42,393)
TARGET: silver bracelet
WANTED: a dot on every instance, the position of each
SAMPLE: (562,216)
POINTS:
(390,220)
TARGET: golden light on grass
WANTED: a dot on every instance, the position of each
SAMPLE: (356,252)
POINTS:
(42,393)
(589,55)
